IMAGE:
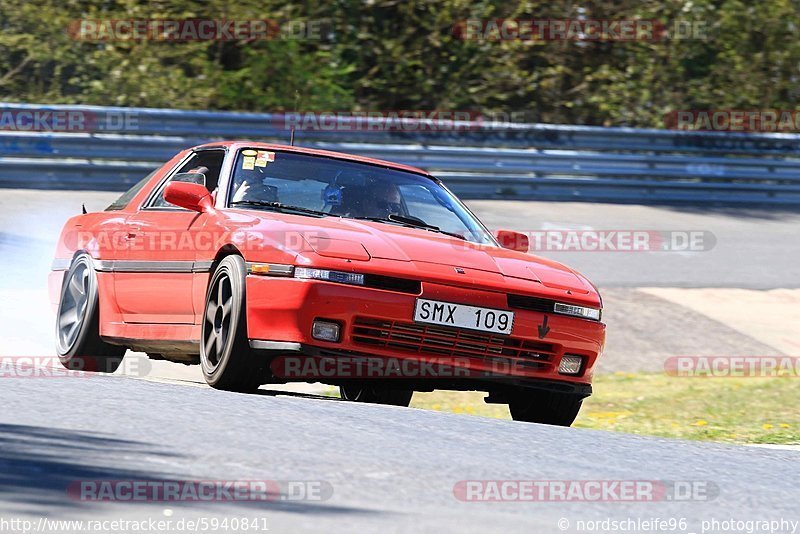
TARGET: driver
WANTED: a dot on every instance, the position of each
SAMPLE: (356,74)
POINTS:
(377,199)
(383,200)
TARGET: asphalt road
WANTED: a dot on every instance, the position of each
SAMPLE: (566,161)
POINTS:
(389,469)
(392,469)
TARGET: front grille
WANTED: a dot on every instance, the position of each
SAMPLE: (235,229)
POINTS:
(431,340)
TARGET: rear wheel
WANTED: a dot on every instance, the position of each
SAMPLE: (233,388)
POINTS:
(78,341)
(376,394)
(546,407)
(225,355)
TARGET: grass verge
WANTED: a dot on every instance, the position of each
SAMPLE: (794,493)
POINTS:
(733,410)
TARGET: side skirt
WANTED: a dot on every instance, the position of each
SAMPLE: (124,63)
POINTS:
(180,351)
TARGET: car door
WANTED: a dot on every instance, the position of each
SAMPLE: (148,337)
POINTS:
(154,281)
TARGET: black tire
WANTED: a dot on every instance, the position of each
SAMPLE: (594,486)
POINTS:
(545,407)
(78,343)
(225,356)
(376,394)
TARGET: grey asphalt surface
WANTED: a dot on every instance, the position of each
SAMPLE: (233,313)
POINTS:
(391,469)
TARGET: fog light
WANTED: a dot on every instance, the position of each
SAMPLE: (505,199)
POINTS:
(570,364)
(325,331)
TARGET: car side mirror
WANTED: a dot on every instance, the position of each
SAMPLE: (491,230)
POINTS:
(187,195)
(513,240)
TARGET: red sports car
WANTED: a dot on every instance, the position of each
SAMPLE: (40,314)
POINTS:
(268,264)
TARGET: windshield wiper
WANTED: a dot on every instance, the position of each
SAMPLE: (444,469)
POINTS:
(278,206)
(411,222)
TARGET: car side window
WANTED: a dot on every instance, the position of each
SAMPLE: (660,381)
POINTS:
(203,167)
(126,197)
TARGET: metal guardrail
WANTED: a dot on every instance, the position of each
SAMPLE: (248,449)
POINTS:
(529,161)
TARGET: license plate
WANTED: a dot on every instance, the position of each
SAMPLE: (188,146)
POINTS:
(463,316)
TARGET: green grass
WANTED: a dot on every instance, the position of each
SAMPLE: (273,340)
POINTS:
(733,410)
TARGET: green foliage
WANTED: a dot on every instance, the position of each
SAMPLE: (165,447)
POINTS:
(404,55)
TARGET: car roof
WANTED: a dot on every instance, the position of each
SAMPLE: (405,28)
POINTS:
(236,145)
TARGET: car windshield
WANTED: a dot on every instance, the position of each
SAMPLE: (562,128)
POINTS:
(321,186)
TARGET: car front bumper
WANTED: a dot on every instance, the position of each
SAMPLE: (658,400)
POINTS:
(377,326)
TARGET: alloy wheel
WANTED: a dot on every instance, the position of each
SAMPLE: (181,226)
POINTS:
(217,327)
(72,313)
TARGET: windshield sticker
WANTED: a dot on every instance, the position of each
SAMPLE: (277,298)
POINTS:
(249,152)
(264,157)
(248,162)
(332,196)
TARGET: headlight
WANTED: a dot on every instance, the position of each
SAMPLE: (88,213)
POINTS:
(339,277)
(577,311)
(305,273)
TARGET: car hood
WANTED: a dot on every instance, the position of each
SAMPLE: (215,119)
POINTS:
(354,240)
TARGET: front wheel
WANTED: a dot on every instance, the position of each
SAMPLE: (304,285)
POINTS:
(545,407)
(225,355)
(376,394)
(78,341)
